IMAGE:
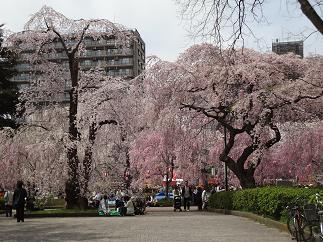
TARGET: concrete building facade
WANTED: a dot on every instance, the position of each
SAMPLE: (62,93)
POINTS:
(126,62)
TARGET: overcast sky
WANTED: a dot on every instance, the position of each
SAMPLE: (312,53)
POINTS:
(160,25)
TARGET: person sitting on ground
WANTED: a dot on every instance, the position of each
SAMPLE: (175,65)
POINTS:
(130,208)
(97,199)
(120,206)
(104,206)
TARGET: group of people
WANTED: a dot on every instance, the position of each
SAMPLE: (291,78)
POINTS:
(200,196)
(124,204)
(16,200)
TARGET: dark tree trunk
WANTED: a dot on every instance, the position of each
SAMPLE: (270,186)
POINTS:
(72,192)
(87,161)
(127,175)
(247,179)
(246,176)
(169,177)
(72,188)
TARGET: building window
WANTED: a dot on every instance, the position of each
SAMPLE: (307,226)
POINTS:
(23,86)
(68,85)
(23,67)
(126,60)
(65,64)
(111,62)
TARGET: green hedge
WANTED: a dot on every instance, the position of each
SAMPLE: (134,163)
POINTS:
(267,201)
(52,202)
(165,203)
(2,207)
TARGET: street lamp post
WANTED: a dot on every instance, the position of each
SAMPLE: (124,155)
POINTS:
(225,164)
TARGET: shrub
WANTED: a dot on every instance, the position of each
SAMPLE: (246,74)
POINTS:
(2,207)
(222,200)
(266,201)
(165,202)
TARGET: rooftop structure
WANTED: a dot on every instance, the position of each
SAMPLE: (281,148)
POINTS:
(296,47)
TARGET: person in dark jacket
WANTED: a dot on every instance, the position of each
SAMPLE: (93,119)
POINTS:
(19,199)
(198,198)
(187,196)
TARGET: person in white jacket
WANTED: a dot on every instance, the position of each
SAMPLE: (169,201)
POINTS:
(104,206)
(8,198)
(130,206)
(205,199)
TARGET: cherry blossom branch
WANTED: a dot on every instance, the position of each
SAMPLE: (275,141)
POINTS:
(81,39)
(310,83)
(58,35)
(23,127)
(276,138)
(109,121)
(295,100)
(220,115)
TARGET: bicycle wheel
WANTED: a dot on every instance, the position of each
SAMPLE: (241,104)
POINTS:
(292,226)
(301,231)
(306,233)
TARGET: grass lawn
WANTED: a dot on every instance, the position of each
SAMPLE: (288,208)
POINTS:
(63,211)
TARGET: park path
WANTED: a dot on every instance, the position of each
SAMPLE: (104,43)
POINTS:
(159,224)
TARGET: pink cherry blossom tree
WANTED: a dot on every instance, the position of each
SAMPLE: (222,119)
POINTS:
(35,155)
(89,92)
(172,141)
(247,93)
(112,160)
(297,156)
(153,155)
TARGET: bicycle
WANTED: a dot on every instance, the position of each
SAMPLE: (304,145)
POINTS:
(320,213)
(317,218)
(297,224)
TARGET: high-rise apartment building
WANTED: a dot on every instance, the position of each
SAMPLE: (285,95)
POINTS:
(281,48)
(123,61)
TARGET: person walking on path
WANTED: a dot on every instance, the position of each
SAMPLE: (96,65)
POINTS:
(19,199)
(187,196)
(205,199)
(8,199)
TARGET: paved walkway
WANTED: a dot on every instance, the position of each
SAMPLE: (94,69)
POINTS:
(157,225)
